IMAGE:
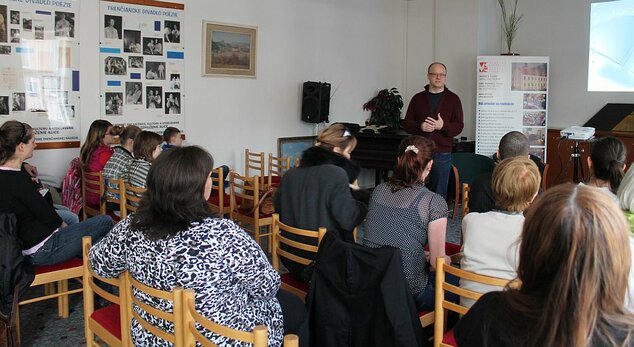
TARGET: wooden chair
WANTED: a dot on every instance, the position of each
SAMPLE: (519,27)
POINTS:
(258,337)
(176,316)
(219,200)
(446,339)
(111,322)
(132,198)
(277,167)
(289,283)
(465,168)
(89,180)
(117,190)
(465,198)
(248,189)
(544,176)
(254,162)
(55,280)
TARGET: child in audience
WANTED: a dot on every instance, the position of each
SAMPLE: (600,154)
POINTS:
(404,214)
(172,138)
(625,194)
(174,241)
(607,164)
(46,239)
(574,262)
(147,147)
(95,153)
(120,161)
(490,240)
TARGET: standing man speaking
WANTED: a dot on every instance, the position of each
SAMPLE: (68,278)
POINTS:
(436,113)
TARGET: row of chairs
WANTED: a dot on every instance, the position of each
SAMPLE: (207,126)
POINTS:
(124,195)
(112,322)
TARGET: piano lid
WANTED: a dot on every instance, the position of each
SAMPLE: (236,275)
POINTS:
(613,117)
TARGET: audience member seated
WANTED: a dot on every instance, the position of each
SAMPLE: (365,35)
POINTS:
(625,195)
(174,241)
(490,240)
(607,165)
(318,192)
(46,239)
(405,214)
(574,261)
(512,144)
(95,152)
(120,161)
(147,147)
(172,137)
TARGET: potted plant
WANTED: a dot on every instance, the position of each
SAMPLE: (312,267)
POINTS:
(385,108)
(510,23)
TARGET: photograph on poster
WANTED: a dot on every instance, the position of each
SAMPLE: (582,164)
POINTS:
(112,28)
(64,24)
(229,49)
(135,62)
(536,136)
(534,118)
(15,35)
(529,76)
(4,105)
(154,70)
(152,46)
(15,17)
(19,102)
(171,32)
(39,33)
(132,41)
(3,23)
(114,102)
(27,24)
(175,81)
(115,66)
(173,103)
(56,97)
(153,98)
(133,93)
(538,152)
(534,102)
(5,49)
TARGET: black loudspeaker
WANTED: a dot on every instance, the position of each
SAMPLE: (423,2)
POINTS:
(315,102)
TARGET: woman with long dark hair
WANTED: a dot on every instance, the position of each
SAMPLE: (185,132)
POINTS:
(574,261)
(607,164)
(96,151)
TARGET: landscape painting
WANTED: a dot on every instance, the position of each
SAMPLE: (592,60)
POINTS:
(229,49)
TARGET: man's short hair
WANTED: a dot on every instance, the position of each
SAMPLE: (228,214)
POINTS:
(513,144)
(169,133)
(515,182)
(436,63)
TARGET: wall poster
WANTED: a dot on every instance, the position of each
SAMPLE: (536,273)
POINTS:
(142,62)
(39,68)
(512,94)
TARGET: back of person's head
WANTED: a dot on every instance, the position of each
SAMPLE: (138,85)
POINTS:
(175,192)
(336,135)
(513,144)
(414,154)
(145,144)
(12,133)
(169,133)
(609,157)
(626,191)
(574,263)
(129,133)
(515,183)
(94,138)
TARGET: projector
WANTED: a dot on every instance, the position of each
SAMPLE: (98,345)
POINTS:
(577,133)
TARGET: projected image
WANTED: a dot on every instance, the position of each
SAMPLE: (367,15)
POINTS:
(611,57)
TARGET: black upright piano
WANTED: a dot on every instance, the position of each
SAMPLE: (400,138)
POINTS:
(377,152)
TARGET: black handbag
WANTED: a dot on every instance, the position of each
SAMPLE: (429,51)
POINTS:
(8,330)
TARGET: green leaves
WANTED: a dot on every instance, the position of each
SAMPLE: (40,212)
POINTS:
(385,108)
(510,22)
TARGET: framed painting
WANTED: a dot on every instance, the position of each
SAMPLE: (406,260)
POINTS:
(293,147)
(228,50)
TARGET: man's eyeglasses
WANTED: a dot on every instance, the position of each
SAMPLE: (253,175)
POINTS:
(434,74)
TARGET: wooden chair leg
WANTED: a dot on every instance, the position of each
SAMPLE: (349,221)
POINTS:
(49,288)
(62,301)
(17,324)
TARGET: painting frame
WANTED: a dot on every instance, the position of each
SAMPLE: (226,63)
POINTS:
(293,147)
(240,37)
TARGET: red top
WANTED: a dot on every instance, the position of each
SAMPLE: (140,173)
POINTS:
(98,160)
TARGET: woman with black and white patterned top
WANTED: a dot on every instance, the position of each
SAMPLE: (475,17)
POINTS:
(404,214)
(174,241)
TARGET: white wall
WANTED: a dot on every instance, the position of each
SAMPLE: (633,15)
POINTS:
(356,45)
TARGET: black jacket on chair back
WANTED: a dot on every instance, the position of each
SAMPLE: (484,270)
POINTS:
(15,270)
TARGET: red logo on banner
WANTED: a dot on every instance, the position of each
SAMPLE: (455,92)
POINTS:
(484,66)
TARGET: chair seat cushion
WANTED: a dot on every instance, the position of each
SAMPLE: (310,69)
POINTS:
(214,199)
(289,280)
(450,248)
(109,318)
(449,339)
(41,269)
(423,312)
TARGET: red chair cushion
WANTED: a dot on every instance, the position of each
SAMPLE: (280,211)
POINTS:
(288,279)
(109,318)
(41,269)
(214,200)
(450,248)
(449,339)
(422,313)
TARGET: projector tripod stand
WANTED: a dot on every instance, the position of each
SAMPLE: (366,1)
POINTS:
(577,167)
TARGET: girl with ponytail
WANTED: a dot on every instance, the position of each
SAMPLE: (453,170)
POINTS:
(607,164)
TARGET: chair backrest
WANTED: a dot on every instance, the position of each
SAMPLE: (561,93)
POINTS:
(176,316)
(441,304)
(278,239)
(258,337)
(132,197)
(115,193)
(92,182)
(254,162)
(217,197)
(277,167)
(471,165)
(91,288)
(246,190)
(465,198)
(545,176)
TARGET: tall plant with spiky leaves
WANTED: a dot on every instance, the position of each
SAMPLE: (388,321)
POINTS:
(510,22)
